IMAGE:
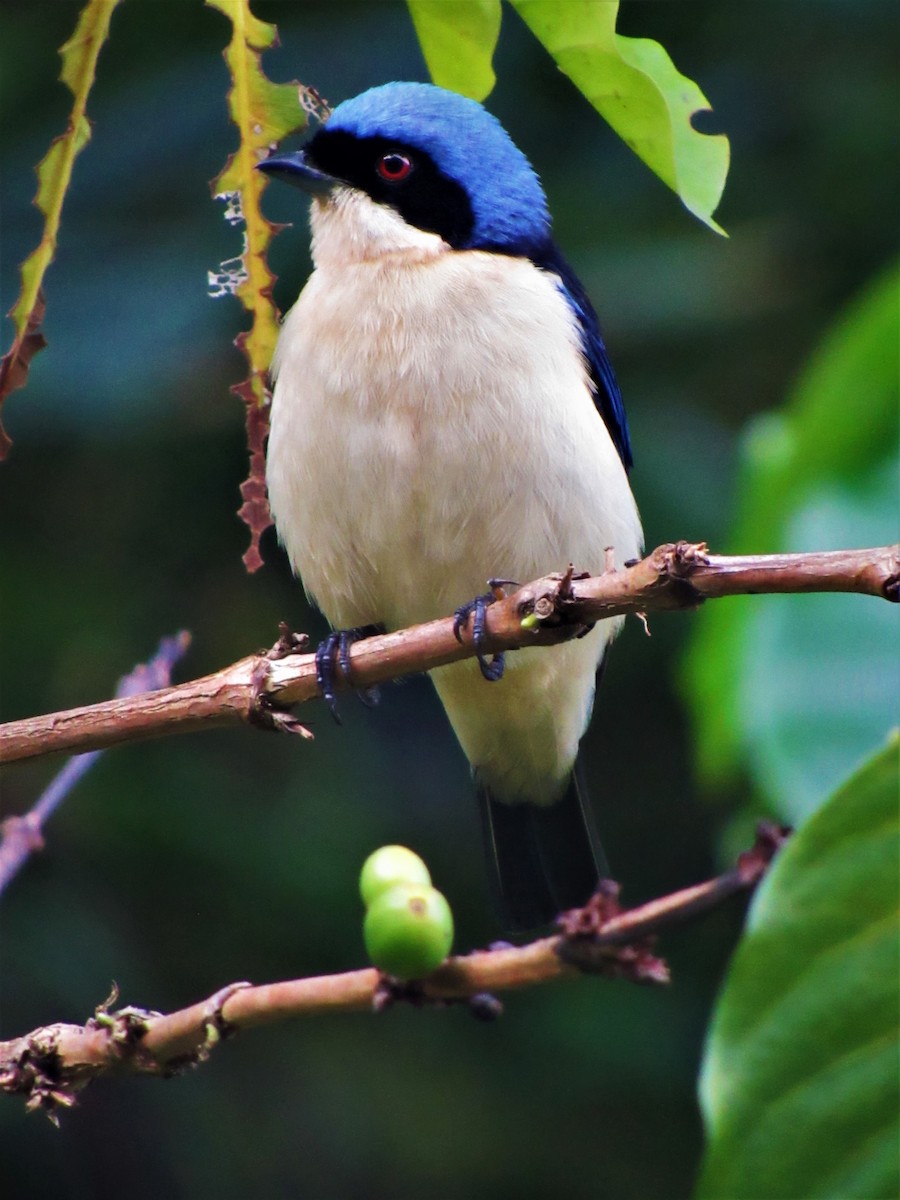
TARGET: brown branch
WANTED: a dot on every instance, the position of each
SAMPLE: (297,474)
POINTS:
(258,689)
(50,1065)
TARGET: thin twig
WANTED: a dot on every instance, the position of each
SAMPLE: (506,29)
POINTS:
(24,835)
(258,689)
(50,1065)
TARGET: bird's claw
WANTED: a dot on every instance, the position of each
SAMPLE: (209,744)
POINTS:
(335,651)
(492,669)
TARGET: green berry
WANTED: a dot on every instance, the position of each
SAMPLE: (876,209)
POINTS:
(408,930)
(387,867)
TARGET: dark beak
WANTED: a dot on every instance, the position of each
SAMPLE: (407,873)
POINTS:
(293,168)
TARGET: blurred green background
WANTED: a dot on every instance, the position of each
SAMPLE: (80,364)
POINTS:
(181,865)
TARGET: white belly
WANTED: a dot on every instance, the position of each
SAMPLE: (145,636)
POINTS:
(437,432)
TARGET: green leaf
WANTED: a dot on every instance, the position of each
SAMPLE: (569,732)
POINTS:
(458,39)
(797,688)
(635,86)
(800,1086)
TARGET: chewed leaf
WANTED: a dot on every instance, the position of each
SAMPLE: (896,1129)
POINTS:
(458,38)
(313,104)
(79,64)
(228,279)
(635,86)
(264,112)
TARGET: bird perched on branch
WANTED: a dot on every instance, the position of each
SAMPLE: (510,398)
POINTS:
(444,411)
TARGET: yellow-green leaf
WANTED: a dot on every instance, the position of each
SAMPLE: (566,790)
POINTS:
(458,38)
(634,85)
(264,112)
(254,32)
(54,172)
(79,58)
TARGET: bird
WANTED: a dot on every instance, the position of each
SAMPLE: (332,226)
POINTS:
(444,412)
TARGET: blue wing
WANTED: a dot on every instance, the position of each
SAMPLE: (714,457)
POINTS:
(607,396)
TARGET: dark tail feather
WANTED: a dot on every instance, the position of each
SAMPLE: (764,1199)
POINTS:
(541,859)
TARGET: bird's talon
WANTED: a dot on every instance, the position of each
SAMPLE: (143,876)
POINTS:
(492,669)
(325,672)
(460,617)
(334,652)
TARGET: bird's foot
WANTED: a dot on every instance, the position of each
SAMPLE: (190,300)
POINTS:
(477,609)
(333,652)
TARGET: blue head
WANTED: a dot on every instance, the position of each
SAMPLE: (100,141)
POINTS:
(441,160)
(448,167)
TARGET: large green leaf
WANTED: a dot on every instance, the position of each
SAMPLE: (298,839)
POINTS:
(631,82)
(797,688)
(458,38)
(800,1085)
(636,87)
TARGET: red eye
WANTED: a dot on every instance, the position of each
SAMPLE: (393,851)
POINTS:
(393,167)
